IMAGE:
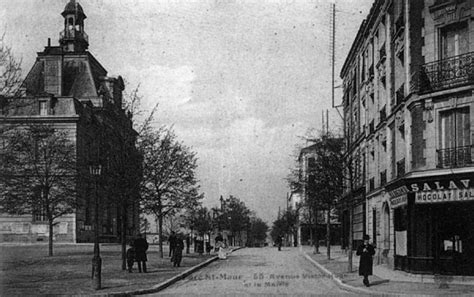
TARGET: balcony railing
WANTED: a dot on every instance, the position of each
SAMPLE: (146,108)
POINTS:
(444,74)
(455,157)
(401,168)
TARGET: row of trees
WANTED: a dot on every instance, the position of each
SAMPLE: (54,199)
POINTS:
(233,216)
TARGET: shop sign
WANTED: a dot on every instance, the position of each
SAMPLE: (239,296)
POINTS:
(398,196)
(398,201)
(398,192)
(446,191)
(445,196)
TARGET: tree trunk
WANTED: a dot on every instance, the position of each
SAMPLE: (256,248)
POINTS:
(160,231)
(328,234)
(50,243)
(124,236)
(191,241)
(316,235)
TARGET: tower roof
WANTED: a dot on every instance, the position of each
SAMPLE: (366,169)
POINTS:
(73,7)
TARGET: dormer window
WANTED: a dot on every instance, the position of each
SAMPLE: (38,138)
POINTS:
(43,107)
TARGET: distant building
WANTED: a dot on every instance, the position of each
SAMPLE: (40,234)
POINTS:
(409,129)
(70,90)
(307,232)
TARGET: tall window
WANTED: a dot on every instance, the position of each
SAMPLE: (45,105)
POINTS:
(454,128)
(454,40)
(455,139)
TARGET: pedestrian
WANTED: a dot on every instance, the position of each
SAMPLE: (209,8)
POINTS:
(221,247)
(366,252)
(141,246)
(279,241)
(172,243)
(178,252)
(130,257)
(200,245)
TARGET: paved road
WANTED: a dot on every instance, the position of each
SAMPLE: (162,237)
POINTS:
(257,271)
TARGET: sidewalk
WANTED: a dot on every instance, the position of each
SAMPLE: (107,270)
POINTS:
(385,281)
(26,270)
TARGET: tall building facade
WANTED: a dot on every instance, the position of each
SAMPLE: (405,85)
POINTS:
(69,90)
(408,115)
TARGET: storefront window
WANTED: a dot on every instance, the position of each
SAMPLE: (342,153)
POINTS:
(451,245)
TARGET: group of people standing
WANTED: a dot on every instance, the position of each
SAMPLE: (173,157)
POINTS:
(137,252)
(139,247)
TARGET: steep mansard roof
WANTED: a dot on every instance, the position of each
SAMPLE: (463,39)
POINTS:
(79,76)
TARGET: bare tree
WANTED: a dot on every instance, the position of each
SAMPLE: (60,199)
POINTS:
(10,71)
(126,162)
(169,183)
(10,80)
(321,181)
(39,174)
(328,177)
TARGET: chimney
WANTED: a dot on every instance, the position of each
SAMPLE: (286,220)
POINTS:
(49,42)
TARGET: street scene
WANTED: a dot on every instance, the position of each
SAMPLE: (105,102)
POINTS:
(236,147)
(258,271)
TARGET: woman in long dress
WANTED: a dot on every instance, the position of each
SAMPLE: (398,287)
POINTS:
(220,246)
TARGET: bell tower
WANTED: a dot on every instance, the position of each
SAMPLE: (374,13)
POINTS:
(73,38)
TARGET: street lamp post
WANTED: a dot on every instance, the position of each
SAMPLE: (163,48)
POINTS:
(95,170)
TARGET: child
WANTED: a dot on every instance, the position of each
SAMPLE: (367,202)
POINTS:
(130,257)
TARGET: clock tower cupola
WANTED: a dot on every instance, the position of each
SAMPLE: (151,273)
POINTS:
(73,38)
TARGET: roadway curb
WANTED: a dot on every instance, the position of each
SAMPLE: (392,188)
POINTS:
(166,283)
(350,288)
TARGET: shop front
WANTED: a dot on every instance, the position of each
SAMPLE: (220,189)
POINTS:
(434,225)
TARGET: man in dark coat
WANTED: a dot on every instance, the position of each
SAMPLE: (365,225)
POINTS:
(172,243)
(141,246)
(178,252)
(366,252)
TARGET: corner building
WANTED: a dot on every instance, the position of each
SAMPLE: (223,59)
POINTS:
(68,89)
(409,128)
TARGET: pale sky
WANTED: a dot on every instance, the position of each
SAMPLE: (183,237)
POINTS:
(241,81)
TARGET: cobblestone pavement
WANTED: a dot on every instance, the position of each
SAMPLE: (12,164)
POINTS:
(257,271)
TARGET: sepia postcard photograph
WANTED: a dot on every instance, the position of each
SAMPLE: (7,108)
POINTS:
(236,147)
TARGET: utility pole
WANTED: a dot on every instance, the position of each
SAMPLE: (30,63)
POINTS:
(333,48)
